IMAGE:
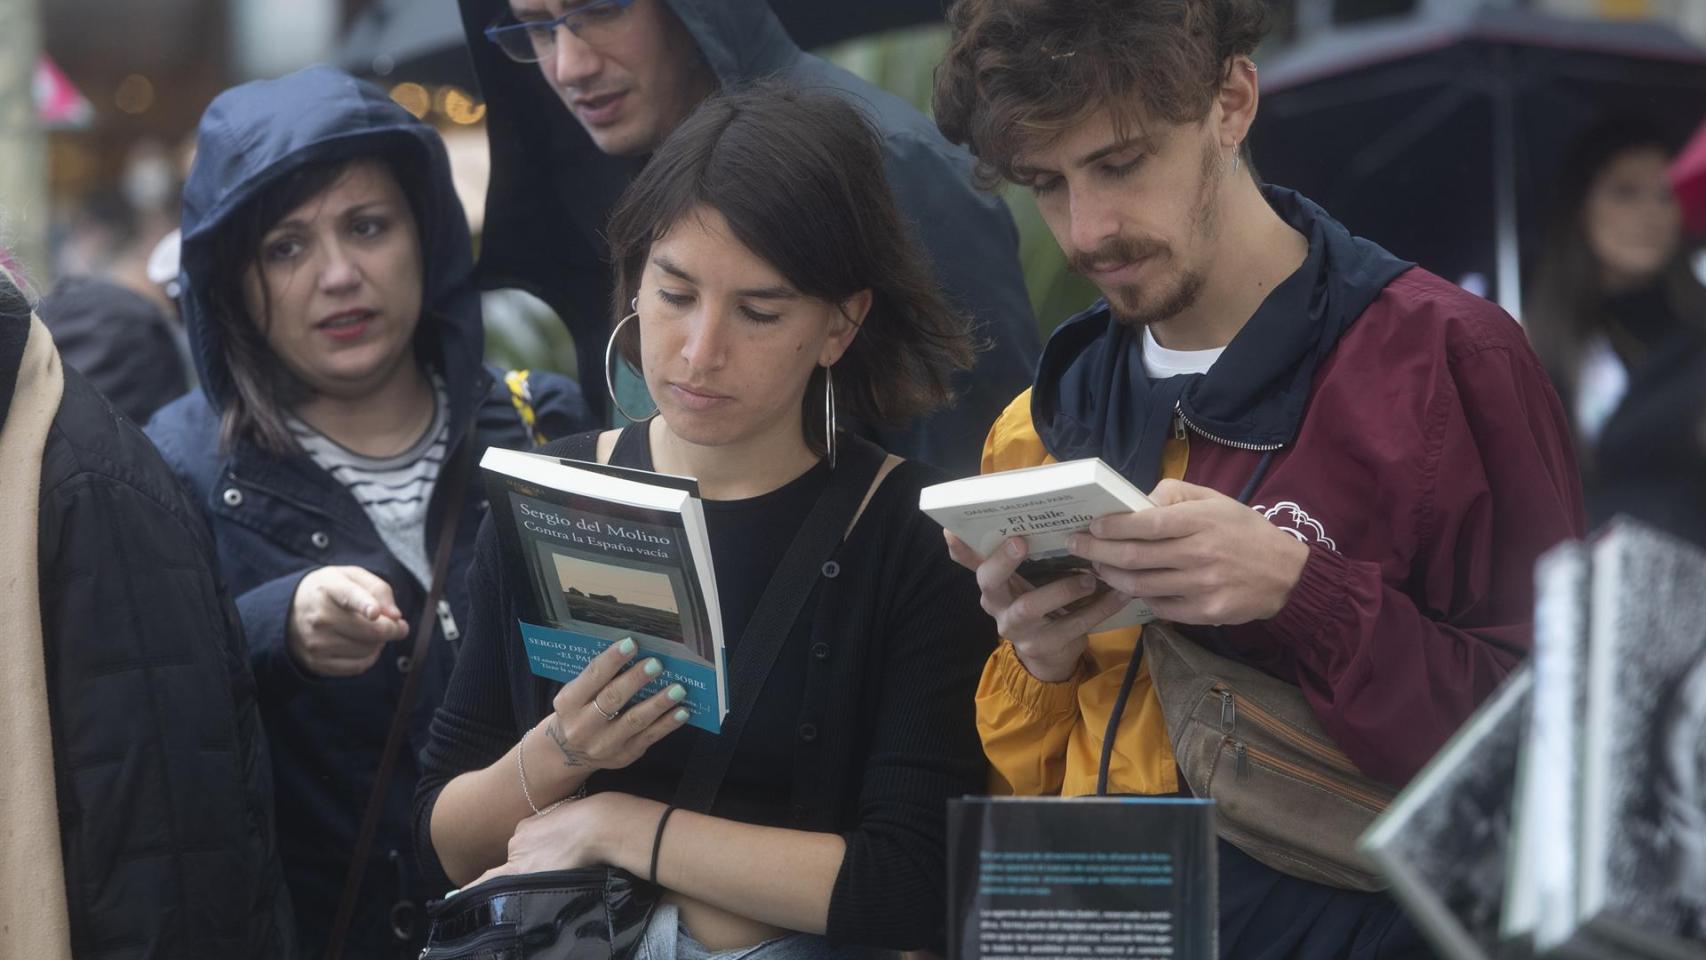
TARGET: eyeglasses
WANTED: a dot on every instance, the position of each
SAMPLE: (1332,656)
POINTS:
(530,41)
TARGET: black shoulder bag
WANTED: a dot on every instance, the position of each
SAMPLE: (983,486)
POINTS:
(601,912)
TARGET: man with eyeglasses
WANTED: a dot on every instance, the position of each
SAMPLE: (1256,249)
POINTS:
(579,94)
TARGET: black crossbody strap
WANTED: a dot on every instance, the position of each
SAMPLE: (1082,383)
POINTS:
(858,465)
(425,625)
(580,446)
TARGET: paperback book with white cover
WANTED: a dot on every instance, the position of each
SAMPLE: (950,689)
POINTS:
(1045,505)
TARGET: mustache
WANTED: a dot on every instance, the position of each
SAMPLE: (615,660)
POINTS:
(1114,252)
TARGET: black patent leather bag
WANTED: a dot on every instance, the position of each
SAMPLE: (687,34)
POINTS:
(594,913)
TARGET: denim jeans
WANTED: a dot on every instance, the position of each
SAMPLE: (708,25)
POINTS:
(665,939)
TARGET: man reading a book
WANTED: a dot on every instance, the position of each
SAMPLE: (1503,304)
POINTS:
(1355,463)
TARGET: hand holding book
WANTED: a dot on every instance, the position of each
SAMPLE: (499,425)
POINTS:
(1200,557)
(1049,626)
(595,722)
(1067,549)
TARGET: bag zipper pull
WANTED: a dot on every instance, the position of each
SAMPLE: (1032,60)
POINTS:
(447,622)
(1228,712)
(1240,760)
(1179,426)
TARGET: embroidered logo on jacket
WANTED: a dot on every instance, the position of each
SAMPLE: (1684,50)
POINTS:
(1296,521)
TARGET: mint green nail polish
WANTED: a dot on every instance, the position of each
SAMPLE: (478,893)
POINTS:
(653,668)
(681,716)
(677,692)
(626,646)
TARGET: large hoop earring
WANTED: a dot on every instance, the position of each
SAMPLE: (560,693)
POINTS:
(829,423)
(610,365)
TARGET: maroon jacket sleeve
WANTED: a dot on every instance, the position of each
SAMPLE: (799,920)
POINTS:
(1391,672)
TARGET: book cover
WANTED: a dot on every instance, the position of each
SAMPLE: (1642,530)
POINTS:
(607,557)
(1082,877)
(1045,505)
(1444,841)
(1642,871)
(1540,894)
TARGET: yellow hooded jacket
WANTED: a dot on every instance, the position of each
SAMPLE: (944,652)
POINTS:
(1045,739)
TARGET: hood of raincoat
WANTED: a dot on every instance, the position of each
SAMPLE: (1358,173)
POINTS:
(254,134)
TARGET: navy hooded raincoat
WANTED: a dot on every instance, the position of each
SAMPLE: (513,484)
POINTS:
(275,518)
(552,191)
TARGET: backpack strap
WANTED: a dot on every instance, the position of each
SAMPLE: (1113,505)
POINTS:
(522,397)
(852,481)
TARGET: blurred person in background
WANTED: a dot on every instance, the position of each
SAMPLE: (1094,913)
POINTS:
(579,95)
(118,339)
(331,310)
(136,801)
(1619,319)
(109,315)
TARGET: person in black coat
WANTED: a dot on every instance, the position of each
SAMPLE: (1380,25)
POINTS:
(160,773)
(332,315)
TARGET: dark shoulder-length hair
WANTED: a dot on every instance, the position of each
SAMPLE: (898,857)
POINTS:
(798,175)
(265,389)
(1565,307)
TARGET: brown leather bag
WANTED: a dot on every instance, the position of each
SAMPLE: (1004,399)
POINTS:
(1284,793)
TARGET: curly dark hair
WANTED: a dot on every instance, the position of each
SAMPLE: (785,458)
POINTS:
(1019,73)
(798,175)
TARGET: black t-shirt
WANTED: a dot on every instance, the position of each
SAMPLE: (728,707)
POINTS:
(748,538)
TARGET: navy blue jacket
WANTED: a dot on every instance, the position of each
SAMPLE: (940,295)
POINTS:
(275,518)
(552,190)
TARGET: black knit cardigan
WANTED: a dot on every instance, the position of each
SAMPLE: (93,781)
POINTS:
(895,643)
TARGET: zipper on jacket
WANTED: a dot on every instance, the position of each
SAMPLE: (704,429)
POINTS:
(1279,728)
(1356,795)
(447,622)
(1180,418)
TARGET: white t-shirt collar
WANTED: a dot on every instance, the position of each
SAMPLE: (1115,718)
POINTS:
(1160,363)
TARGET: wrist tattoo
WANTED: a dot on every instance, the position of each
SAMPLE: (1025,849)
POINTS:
(571,756)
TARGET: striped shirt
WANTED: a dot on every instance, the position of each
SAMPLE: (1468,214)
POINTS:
(394,491)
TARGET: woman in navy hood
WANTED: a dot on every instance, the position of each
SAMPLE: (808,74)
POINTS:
(332,316)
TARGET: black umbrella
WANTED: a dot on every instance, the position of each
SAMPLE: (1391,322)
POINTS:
(1440,136)
(422,39)
(417,40)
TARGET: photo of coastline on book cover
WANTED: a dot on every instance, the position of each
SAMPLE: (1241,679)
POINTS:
(602,568)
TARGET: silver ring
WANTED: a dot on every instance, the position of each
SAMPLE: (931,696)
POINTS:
(603,713)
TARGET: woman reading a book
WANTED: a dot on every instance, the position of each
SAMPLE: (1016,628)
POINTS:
(331,309)
(767,289)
